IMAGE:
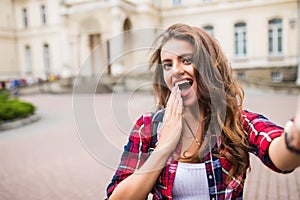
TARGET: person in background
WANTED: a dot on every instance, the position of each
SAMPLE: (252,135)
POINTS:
(197,144)
(2,85)
(14,87)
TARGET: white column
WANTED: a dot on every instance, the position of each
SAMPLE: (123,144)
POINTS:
(116,41)
(68,66)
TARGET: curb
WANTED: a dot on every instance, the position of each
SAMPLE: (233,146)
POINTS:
(19,123)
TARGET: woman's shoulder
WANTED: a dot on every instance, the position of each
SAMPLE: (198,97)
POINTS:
(252,115)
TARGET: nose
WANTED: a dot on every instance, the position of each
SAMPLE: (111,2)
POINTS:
(177,69)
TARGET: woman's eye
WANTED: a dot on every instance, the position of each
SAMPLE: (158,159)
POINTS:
(187,61)
(167,66)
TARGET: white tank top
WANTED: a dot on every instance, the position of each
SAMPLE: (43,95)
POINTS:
(190,182)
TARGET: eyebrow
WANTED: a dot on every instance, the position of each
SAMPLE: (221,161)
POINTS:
(180,56)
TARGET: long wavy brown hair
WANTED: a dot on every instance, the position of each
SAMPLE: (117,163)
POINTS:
(219,96)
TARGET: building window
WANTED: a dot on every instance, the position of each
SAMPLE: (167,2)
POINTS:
(25,17)
(209,29)
(275,37)
(176,3)
(276,76)
(28,59)
(240,40)
(43,14)
(46,59)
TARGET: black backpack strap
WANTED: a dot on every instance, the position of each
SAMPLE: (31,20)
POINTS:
(156,122)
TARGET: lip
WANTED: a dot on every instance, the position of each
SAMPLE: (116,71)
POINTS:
(182,79)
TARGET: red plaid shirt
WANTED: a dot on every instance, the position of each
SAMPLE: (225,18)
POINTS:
(143,140)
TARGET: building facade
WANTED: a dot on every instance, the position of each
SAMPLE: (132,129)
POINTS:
(92,37)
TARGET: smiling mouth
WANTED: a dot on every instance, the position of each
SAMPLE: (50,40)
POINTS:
(185,84)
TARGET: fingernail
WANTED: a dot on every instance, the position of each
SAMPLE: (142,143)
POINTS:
(173,90)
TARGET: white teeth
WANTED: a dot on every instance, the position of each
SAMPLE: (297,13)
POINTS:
(183,81)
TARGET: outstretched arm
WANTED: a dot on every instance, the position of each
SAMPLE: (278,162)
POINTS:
(283,150)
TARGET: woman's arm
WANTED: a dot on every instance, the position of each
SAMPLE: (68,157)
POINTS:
(282,157)
(139,184)
(262,133)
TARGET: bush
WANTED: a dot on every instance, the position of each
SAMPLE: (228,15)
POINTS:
(11,109)
(4,95)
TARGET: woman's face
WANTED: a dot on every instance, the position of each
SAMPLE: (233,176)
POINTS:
(178,69)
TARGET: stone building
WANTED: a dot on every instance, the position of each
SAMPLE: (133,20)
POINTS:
(90,37)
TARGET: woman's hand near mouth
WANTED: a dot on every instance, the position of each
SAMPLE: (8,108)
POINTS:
(172,124)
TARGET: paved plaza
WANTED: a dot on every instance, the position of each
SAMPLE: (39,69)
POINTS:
(63,156)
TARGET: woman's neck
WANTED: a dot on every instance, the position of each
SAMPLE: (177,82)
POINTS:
(193,116)
(192,134)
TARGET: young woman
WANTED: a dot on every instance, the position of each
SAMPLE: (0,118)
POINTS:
(197,144)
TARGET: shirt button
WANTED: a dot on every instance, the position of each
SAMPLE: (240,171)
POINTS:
(210,177)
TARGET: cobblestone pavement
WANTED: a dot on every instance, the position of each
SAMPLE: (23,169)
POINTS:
(50,159)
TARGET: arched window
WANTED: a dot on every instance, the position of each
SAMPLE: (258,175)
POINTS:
(209,29)
(127,25)
(46,58)
(275,36)
(176,3)
(240,39)
(28,62)
(43,14)
(25,17)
